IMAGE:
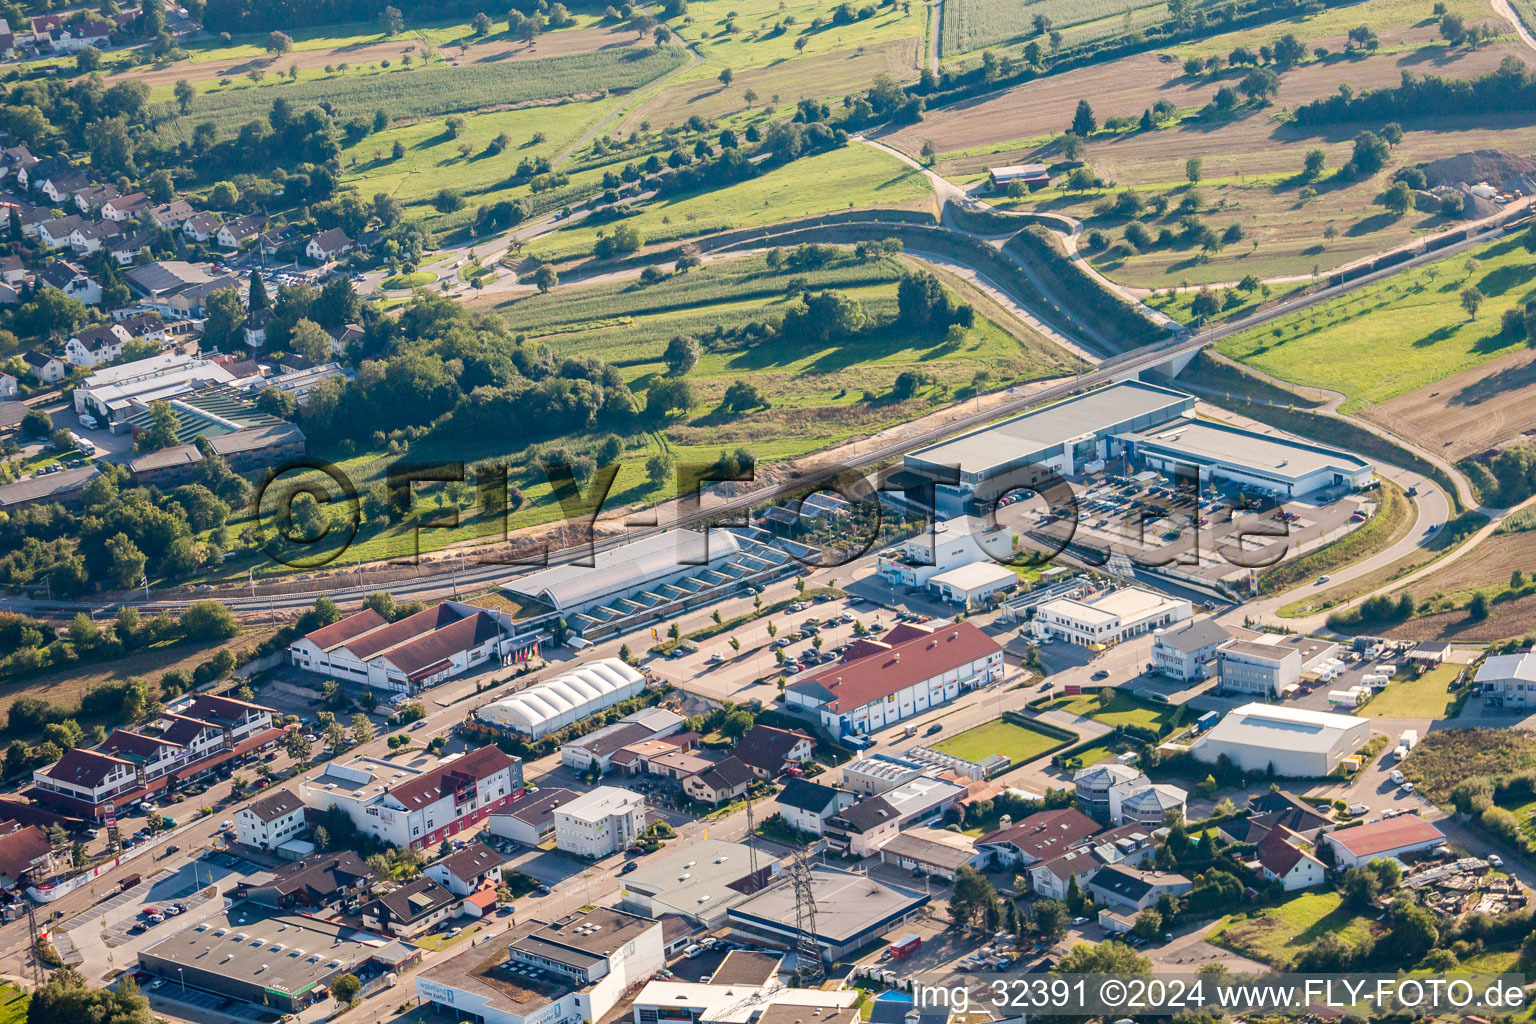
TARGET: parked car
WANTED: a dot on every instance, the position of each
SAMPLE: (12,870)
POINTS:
(633,865)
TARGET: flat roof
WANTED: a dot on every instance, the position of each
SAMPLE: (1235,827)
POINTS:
(974,575)
(1035,432)
(491,976)
(285,952)
(1281,728)
(695,878)
(1254,649)
(1127,604)
(599,803)
(847,905)
(1207,442)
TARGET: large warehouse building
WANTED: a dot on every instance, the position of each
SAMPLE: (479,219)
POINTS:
(1153,426)
(1066,438)
(651,579)
(1298,743)
(1218,451)
(569,697)
(912,669)
(284,961)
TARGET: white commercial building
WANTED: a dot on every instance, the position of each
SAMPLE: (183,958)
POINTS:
(951,545)
(409,654)
(601,822)
(911,669)
(1296,743)
(1508,679)
(1285,467)
(699,881)
(1246,666)
(114,393)
(1109,618)
(412,808)
(574,969)
(1187,653)
(1036,446)
(973,584)
(1383,839)
(564,700)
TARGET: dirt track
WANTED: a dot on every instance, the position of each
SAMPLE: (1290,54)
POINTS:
(1469,412)
(496,48)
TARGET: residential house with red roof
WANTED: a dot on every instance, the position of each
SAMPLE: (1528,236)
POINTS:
(909,670)
(1284,858)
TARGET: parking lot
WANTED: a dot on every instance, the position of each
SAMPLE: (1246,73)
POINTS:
(1209,534)
(719,672)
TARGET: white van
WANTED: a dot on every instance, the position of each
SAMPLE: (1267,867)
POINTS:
(1396,777)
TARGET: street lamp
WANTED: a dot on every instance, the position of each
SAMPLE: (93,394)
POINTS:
(182,975)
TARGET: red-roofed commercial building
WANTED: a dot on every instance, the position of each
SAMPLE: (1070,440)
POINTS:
(1385,838)
(416,809)
(133,763)
(909,670)
(407,656)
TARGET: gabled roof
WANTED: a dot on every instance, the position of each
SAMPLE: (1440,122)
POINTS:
(1044,834)
(431,786)
(805,795)
(868,814)
(275,805)
(86,768)
(367,645)
(1386,835)
(413,900)
(333,240)
(471,862)
(1133,884)
(432,653)
(1279,854)
(537,809)
(767,748)
(911,653)
(222,709)
(184,729)
(726,775)
(22,848)
(344,629)
(321,875)
(1195,636)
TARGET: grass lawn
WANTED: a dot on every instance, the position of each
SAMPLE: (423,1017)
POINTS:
(415,280)
(741,34)
(1424,697)
(437,941)
(13,1005)
(1125,709)
(432,158)
(1016,742)
(852,176)
(1400,335)
(1281,932)
(1093,755)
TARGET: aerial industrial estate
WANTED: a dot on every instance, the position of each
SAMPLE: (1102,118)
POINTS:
(764,511)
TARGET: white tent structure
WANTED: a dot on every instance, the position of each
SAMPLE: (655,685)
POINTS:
(569,697)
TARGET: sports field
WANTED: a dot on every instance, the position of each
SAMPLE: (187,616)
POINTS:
(1016,742)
